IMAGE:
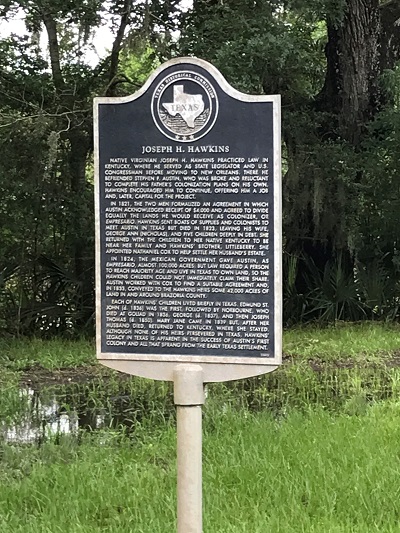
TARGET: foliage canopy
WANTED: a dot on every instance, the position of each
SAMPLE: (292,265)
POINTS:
(335,65)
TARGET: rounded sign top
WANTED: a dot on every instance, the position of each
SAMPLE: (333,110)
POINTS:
(188,226)
(184,106)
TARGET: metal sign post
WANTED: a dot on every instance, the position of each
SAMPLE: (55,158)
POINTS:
(188,242)
(189,397)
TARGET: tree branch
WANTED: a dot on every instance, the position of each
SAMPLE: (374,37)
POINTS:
(117,80)
(66,114)
(54,50)
(390,33)
(116,48)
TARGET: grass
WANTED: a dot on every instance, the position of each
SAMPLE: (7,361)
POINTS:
(313,447)
(338,368)
(307,472)
(360,342)
(23,354)
(364,341)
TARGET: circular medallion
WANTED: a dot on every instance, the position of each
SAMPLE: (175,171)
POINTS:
(184,106)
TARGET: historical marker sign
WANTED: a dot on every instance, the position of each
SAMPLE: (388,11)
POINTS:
(188,224)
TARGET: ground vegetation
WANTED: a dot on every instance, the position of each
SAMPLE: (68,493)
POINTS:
(311,447)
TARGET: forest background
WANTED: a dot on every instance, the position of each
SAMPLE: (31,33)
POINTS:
(335,63)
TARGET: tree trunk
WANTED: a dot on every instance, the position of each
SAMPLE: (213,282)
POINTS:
(80,146)
(350,96)
(351,87)
(390,34)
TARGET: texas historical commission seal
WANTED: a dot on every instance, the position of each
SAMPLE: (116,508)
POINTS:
(184,106)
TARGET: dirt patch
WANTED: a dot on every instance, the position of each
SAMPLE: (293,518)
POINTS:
(383,360)
(42,377)
(394,360)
